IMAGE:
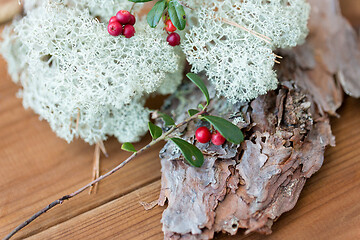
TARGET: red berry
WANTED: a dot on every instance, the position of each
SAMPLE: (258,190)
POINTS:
(169,26)
(123,16)
(114,28)
(173,39)
(129,31)
(203,134)
(113,19)
(132,20)
(217,138)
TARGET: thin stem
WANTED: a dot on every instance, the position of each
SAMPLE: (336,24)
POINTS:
(77,120)
(132,7)
(254,33)
(103,149)
(164,136)
(185,5)
(96,168)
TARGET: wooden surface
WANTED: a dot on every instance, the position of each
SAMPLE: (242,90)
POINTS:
(9,8)
(36,168)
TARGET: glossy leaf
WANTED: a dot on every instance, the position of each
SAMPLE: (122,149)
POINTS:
(229,131)
(167,119)
(128,147)
(177,14)
(200,84)
(154,16)
(191,153)
(155,131)
(192,112)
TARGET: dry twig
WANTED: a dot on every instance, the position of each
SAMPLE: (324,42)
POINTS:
(96,168)
(164,136)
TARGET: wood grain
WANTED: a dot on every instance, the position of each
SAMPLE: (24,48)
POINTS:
(36,168)
(328,207)
(123,218)
(351,9)
(8,9)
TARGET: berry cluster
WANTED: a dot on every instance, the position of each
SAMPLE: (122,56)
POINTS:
(203,135)
(173,38)
(122,24)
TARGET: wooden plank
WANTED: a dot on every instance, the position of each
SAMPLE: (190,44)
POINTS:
(123,218)
(328,208)
(37,167)
(351,9)
(8,9)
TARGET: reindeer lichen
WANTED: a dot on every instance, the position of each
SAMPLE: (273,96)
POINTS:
(91,85)
(238,63)
(67,63)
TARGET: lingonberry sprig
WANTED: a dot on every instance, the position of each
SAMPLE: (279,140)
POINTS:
(223,129)
(193,155)
(122,24)
(203,135)
(217,138)
(173,13)
(169,26)
(173,39)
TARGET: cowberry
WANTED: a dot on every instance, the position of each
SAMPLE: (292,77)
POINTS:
(217,138)
(113,19)
(203,134)
(169,26)
(173,39)
(114,28)
(129,31)
(132,20)
(123,17)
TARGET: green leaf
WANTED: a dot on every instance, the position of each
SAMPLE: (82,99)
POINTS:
(192,112)
(231,132)
(177,14)
(128,147)
(191,153)
(154,16)
(155,131)
(200,83)
(167,119)
(201,106)
(139,1)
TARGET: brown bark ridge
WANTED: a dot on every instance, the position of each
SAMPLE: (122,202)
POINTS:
(286,133)
(330,57)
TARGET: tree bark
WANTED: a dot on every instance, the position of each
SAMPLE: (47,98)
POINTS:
(286,133)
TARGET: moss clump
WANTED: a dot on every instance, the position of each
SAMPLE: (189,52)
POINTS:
(239,64)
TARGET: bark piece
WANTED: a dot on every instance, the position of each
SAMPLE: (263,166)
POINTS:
(247,186)
(330,57)
(186,185)
(286,133)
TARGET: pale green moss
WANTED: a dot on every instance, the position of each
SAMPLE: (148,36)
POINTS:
(67,62)
(239,64)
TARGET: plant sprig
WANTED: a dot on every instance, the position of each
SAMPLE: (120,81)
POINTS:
(173,8)
(191,153)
